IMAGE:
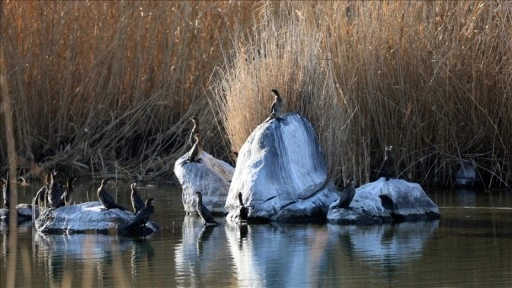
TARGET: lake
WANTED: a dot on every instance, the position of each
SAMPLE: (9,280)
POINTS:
(470,246)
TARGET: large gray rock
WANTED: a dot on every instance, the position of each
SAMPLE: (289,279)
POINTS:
(24,212)
(211,177)
(384,201)
(282,174)
(90,217)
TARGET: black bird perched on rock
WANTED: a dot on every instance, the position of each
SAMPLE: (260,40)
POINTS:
(195,153)
(142,217)
(137,202)
(277,105)
(105,198)
(388,165)
(205,214)
(195,130)
(244,211)
(67,197)
(55,191)
(348,194)
(6,191)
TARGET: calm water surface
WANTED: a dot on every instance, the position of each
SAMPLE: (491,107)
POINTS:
(471,246)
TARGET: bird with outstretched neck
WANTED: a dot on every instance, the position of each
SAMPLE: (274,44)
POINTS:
(137,202)
(105,198)
(196,151)
(195,130)
(203,212)
(244,211)
(277,105)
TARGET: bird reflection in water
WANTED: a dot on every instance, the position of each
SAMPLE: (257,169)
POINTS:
(204,236)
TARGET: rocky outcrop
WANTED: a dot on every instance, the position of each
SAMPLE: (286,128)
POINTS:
(90,217)
(24,212)
(385,202)
(282,174)
(210,176)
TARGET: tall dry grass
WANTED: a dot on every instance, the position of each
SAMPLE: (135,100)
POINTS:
(104,87)
(101,86)
(431,78)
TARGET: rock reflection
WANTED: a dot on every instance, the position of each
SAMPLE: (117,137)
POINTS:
(283,255)
(102,253)
(385,244)
(200,257)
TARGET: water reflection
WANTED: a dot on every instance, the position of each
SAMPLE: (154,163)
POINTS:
(292,255)
(388,245)
(465,241)
(284,255)
(62,253)
(200,257)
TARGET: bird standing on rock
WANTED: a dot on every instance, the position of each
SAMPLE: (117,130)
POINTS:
(67,197)
(277,105)
(142,217)
(105,198)
(388,165)
(196,151)
(205,214)
(137,202)
(195,130)
(244,211)
(55,191)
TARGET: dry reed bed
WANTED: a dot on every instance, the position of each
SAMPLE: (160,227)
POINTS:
(433,79)
(108,86)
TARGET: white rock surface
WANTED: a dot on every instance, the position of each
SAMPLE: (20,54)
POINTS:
(384,201)
(86,218)
(25,212)
(211,177)
(282,174)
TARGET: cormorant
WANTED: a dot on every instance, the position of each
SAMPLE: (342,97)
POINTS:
(205,214)
(55,191)
(347,194)
(67,197)
(195,130)
(137,202)
(277,105)
(195,153)
(388,165)
(6,191)
(244,211)
(105,198)
(142,217)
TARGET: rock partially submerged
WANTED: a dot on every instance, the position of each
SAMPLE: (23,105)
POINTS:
(90,217)
(210,176)
(384,201)
(24,213)
(282,174)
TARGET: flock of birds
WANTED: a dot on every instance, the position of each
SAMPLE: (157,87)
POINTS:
(52,194)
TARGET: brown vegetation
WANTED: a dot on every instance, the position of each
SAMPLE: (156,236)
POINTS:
(109,86)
